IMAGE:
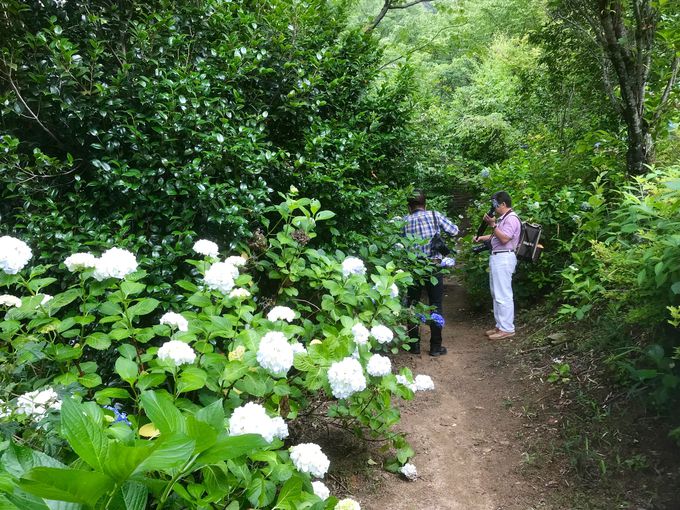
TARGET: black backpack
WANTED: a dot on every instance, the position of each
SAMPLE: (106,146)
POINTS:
(529,248)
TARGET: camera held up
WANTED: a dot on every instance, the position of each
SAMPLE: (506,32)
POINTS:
(486,245)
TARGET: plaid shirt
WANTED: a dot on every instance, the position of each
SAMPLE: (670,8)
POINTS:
(421,225)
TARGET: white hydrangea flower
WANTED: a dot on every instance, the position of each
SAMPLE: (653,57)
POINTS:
(347,504)
(79,261)
(308,458)
(424,383)
(239,293)
(9,300)
(382,334)
(281,313)
(252,418)
(361,333)
(177,351)
(394,291)
(346,377)
(46,299)
(353,265)
(321,490)
(379,365)
(38,403)
(14,254)
(5,411)
(298,348)
(236,260)
(114,263)
(207,248)
(220,276)
(409,471)
(410,385)
(275,353)
(175,320)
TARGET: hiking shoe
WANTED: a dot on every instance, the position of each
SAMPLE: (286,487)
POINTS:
(501,335)
(438,352)
(492,331)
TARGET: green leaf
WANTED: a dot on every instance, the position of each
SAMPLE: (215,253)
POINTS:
(111,393)
(127,370)
(132,496)
(161,410)
(289,494)
(230,447)
(85,437)
(147,381)
(90,380)
(324,215)
(170,451)
(99,341)
(191,378)
(260,492)
(143,307)
(131,288)
(74,485)
(675,288)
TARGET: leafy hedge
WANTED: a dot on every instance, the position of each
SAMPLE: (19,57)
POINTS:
(153,121)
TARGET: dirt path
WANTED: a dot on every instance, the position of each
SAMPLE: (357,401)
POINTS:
(465,433)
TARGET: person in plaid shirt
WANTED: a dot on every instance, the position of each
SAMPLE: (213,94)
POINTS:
(424,224)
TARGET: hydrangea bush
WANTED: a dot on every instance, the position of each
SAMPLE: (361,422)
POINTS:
(190,403)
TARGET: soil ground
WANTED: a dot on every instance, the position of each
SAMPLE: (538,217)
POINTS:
(476,437)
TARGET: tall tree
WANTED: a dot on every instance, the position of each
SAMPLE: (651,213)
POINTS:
(633,51)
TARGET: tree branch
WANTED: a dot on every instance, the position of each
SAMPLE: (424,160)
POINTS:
(675,66)
(28,108)
(388,5)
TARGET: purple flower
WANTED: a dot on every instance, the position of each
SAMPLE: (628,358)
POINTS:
(438,319)
(118,415)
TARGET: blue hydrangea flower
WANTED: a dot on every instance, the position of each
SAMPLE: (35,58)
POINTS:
(421,317)
(438,319)
(118,414)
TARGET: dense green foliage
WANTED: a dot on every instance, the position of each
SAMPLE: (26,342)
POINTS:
(147,122)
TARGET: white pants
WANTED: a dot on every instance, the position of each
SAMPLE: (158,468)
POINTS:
(501,268)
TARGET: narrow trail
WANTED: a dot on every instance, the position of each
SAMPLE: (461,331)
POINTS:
(465,433)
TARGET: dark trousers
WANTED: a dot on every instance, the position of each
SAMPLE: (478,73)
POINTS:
(435,294)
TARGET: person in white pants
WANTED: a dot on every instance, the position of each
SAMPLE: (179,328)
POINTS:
(505,235)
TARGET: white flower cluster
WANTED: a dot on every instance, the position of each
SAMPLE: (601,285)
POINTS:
(382,334)
(38,403)
(298,348)
(79,261)
(308,458)
(321,490)
(394,291)
(9,300)
(207,248)
(424,383)
(409,471)
(252,418)
(14,254)
(236,261)
(220,276)
(178,352)
(175,320)
(275,353)
(353,265)
(361,333)
(421,383)
(114,263)
(239,293)
(347,504)
(281,313)
(346,377)
(379,365)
